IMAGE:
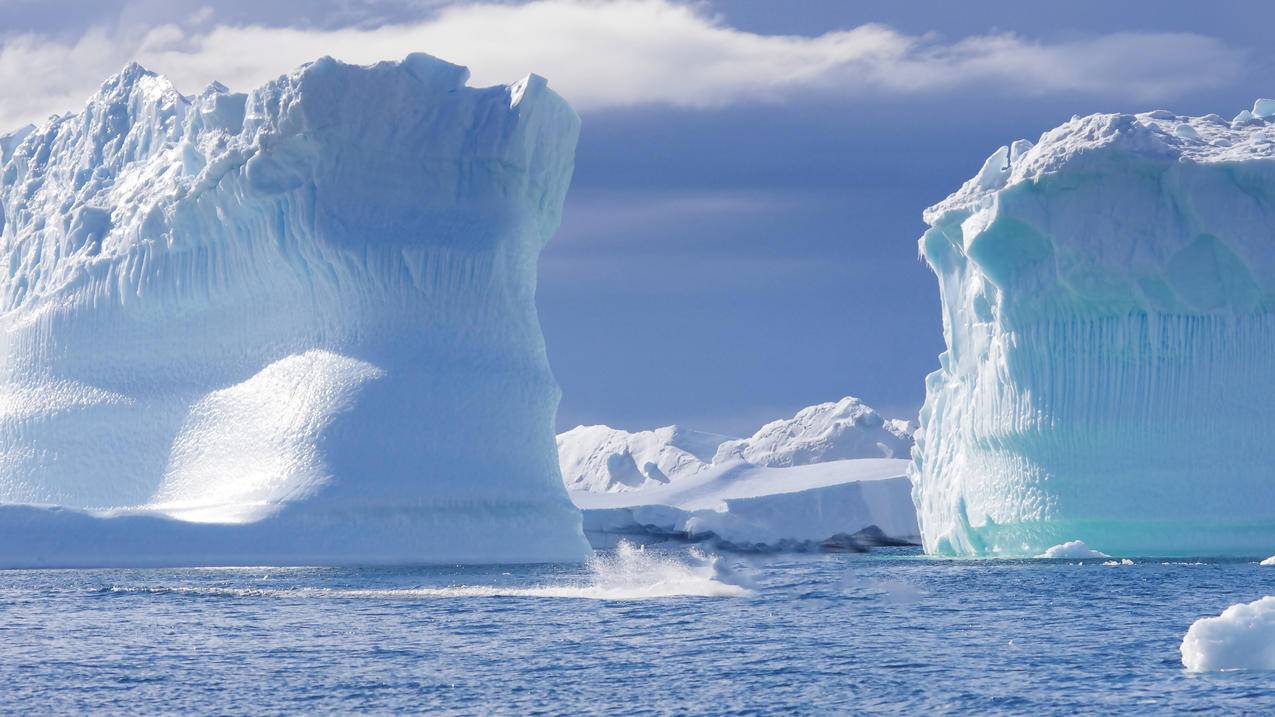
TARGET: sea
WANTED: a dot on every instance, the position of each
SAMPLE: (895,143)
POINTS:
(636,631)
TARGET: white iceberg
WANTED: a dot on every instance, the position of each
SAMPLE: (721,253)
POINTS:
(1072,550)
(829,472)
(1107,299)
(290,326)
(1241,638)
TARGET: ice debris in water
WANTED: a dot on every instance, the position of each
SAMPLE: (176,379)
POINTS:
(1097,334)
(1269,561)
(1241,638)
(1072,550)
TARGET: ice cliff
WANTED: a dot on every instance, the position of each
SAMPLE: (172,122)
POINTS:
(1109,376)
(290,326)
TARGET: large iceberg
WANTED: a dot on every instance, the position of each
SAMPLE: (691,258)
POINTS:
(290,326)
(1108,304)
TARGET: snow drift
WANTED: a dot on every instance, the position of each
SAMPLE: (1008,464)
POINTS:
(1107,300)
(293,325)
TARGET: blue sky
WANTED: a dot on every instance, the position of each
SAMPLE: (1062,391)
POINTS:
(739,241)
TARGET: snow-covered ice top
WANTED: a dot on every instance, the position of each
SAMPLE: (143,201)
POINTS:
(90,187)
(306,310)
(848,428)
(605,459)
(1115,246)
(1107,294)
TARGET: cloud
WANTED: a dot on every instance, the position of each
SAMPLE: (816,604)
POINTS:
(621,53)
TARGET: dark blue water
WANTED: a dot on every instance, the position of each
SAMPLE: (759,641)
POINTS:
(885,632)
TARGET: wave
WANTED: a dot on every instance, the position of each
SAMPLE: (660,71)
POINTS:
(630,573)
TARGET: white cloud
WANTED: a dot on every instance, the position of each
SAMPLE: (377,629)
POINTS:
(620,53)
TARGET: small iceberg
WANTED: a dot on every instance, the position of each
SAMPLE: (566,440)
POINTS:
(1241,638)
(1072,550)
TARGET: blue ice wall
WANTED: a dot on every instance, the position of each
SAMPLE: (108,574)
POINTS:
(1109,375)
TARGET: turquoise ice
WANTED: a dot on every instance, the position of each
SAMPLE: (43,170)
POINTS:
(1109,375)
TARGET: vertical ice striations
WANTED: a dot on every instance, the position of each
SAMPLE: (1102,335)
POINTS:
(1109,375)
(307,312)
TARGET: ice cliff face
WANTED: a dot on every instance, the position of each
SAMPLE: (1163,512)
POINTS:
(1107,305)
(308,309)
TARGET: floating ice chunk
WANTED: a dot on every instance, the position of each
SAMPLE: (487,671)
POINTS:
(1118,563)
(1243,118)
(1269,562)
(1264,108)
(1073,550)
(1241,638)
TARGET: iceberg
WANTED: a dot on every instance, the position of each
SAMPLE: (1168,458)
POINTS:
(293,326)
(829,478)
(1071,550)
(1241,638)
(1108,305)
(604,459)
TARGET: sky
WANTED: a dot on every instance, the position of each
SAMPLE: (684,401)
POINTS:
(740,237)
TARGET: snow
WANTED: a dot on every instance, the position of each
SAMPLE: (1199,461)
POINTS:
(1106,297)
(284,326)
(601,458)
(605,459)
(1071,550)
(1241,638)
(825,432)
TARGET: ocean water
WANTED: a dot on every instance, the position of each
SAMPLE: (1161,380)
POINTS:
(636,632)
